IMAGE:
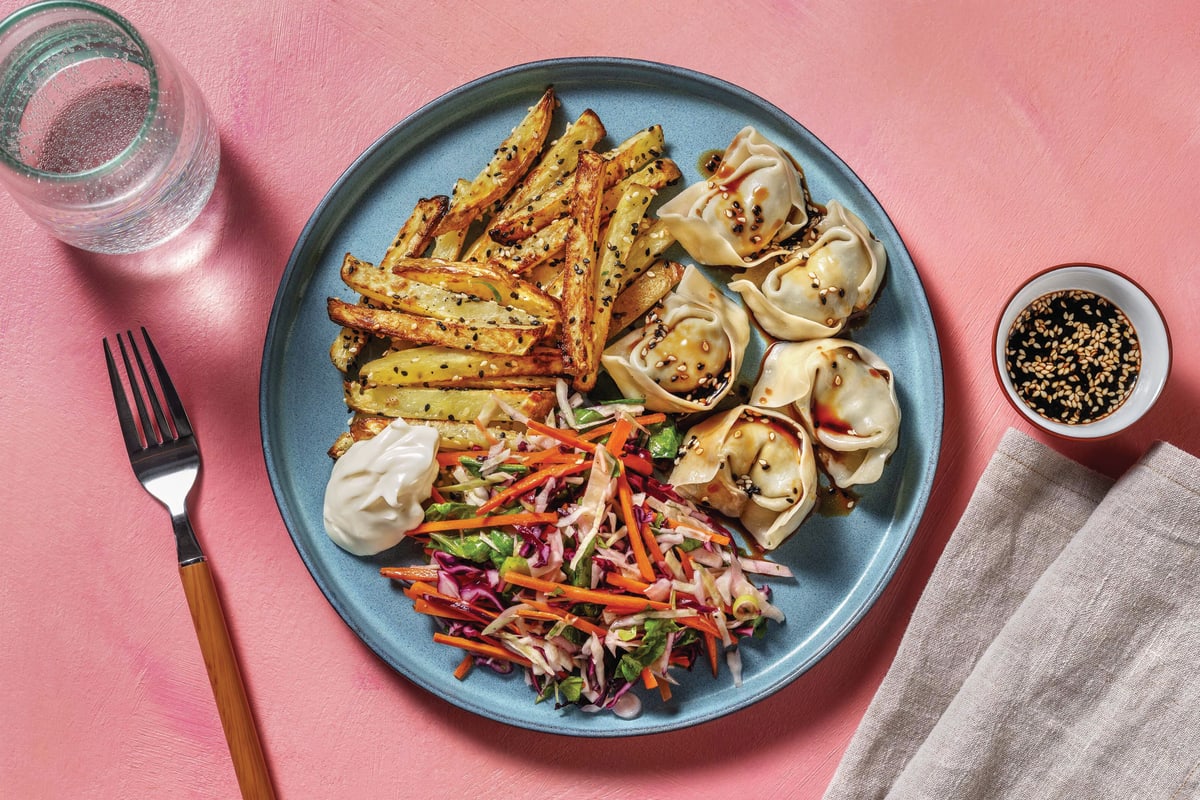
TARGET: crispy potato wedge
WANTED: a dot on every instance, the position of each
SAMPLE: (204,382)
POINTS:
(546,246)
(468,436)
(621,162)
(619,237)
(557,163)
(484,281)
(388,289)
(553,168)
(642,293)
(652,241)
(512,339)
(579,274)
(450,404)
(412,239)
(341,444)
(348,344)
(452,435)
(508,165)
(416,234)
(447,366)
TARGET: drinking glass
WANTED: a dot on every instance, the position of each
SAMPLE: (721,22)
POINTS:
(104,139)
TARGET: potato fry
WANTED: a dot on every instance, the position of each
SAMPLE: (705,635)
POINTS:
(546,246)
(412,239)
(468,436)
(449,404)
(621,162)
(554,167)
(652,241)
(513,339)
(579,276)
(619,238)
(416,234)
(558,162)
(341,444)
(447,366)
(387,289)
(508,165)
(452,435)
(348,344)
(485,281)
(543,247)
(642,293)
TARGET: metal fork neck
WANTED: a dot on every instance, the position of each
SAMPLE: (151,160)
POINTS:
(186,546)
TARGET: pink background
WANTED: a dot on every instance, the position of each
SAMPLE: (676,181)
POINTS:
(1002,138)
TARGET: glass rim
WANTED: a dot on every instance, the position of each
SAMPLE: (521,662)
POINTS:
(150,65)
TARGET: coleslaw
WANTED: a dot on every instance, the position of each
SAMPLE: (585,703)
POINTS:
(562,554)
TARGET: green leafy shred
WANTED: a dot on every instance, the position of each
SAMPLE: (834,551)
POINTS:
(440,511)
(665,439)
(486,547)
(654,644)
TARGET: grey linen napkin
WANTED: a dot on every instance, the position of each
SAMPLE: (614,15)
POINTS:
(1055,650)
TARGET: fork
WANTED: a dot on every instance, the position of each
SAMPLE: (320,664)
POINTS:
(166,460)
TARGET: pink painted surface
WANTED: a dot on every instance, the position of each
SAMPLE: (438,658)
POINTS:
(1001,138)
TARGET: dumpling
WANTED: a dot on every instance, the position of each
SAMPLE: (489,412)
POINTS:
(750,464)
(686,355)
(812,293)
(844,395)
(754,200)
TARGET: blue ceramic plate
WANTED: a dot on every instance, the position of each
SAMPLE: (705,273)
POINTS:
(841,564)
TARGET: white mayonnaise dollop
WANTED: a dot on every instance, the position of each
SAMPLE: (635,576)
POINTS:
(376,489)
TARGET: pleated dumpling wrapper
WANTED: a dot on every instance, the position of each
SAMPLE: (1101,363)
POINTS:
(687,353)
(754,200)
(844,395)
(811,293)
(751,464)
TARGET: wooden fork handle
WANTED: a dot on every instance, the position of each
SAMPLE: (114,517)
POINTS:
(226,678)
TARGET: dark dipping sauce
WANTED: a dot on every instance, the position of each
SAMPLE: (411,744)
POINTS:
(1073,356)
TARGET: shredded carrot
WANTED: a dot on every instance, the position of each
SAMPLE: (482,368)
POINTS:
(633,462)
(693,525)
(566,437)
(481,648)
(450,458)
(567,617)
(424,572)
(581,595)
(464,666)
(438,608)
(551,454)
(435,495)
(529,482)
(685,563)
(620,434)
(636,543)
(710,644)
(664,691)
(603,430)
(637,464)
(530,518)
(626,583)
(648,678)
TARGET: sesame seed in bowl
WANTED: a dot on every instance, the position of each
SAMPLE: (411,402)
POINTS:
(1081,351)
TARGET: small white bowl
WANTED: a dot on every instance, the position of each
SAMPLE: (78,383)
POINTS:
(1141,311)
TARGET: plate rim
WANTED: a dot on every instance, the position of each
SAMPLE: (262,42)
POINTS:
(274,334)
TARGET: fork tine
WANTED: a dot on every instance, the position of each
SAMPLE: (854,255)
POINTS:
(148,431)
(129,430)
(151,394)
(179,417)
